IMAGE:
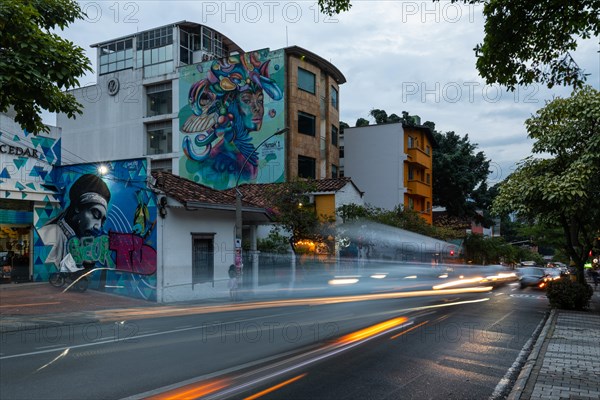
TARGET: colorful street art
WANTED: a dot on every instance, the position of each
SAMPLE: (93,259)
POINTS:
(230,106)
(107,221)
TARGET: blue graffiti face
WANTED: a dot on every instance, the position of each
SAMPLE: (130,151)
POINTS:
(252,109)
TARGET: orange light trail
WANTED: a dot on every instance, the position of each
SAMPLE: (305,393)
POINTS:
(371,331)
(276,387)
(408,330)
(192,391)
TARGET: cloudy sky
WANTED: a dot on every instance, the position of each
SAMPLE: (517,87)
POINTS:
(413,56)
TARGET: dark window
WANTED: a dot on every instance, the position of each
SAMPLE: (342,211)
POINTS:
(159,99)
(411,173)
(203,258)
(159,138)
(306,167)
(334,135)
(306,80)
(306,123)
(341,151)
(334,98)
(334,171)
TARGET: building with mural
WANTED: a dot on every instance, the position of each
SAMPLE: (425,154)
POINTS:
(103,214)
(403,168)
(197,105)
(203,113)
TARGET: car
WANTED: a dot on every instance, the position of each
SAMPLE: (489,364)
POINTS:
(535,277)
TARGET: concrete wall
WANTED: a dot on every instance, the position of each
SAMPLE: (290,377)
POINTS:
(175,253)
(374,159)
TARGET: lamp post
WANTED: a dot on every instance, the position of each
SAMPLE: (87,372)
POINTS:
(238,205)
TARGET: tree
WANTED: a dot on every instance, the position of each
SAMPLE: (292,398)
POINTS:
(457,173)
(293,212)
(37,65)
(563,187)
(527,42)
(361,122)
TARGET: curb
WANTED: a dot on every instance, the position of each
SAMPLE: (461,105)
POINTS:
(525,374)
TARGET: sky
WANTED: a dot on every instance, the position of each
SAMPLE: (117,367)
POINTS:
(414,56)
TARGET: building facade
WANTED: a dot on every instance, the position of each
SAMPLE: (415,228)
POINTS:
(191,100)
(392,163)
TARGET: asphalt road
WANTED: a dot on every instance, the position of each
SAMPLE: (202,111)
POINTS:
(450,346)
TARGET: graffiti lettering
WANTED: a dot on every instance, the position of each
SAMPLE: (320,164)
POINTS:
(132,254)
(91,249)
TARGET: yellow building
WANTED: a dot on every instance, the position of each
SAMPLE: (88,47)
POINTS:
(392,163)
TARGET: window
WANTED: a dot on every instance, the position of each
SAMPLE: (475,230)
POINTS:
(334,98)
(428,179)
(341,151)
(411,142)
(411,173)
(203,258)
(159,136)
(334,135)
(306,123)
(411,203)
(306,80)
(427,150)
(159,99)
(116,56)
(306,167)
(334,171)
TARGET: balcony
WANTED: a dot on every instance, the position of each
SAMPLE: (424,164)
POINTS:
(418,188)
(418,156)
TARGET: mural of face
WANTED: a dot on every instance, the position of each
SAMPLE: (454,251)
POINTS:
(88,219)
(252,109)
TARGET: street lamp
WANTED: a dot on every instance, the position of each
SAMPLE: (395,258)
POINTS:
(238,205)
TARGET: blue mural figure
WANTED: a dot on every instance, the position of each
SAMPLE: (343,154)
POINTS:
(227,106)
(89,198)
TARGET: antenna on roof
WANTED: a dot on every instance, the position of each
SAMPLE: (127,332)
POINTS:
(286,37)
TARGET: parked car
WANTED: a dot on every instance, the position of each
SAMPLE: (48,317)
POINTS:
(535,277)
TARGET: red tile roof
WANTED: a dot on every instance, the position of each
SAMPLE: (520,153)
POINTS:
(185,191)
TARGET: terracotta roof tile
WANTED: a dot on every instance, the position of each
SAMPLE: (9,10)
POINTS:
(185,191)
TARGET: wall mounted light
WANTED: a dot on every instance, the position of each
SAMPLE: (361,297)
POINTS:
(103,170)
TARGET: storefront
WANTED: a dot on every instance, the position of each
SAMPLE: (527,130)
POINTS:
(26,162)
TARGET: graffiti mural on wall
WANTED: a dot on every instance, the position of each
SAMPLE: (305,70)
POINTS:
(105,220)
(230,106)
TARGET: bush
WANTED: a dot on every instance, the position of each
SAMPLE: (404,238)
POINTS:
(569,295)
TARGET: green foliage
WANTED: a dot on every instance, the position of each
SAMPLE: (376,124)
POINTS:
(36,64)
(485,250)
(527,42)
(561,188)
(295,214)
(362,122)
(331,7)
(459,174)
(569,295)
(399,218)
(274,243)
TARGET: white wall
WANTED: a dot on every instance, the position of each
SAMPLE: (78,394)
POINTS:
(175,251)
(374,159)
(112,127)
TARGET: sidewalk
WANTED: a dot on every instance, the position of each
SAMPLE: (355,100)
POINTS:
(565,359)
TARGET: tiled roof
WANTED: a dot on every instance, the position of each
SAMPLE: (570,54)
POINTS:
(254,194)
(186,191)
(261,193)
